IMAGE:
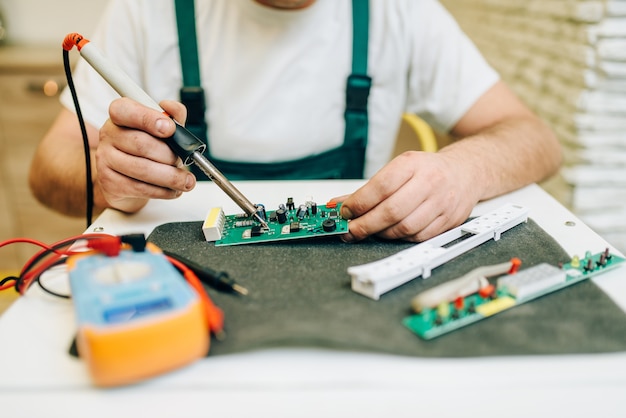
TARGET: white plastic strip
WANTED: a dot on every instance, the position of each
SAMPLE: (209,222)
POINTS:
(378,277)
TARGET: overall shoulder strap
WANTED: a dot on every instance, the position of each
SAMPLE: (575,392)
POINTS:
(191,94)
(359,82)
(360,35)
(357,91)
(187,41)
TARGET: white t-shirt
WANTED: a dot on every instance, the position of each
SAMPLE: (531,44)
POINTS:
(275,79)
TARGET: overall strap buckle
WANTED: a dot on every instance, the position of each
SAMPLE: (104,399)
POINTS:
(193,98)
(357,92)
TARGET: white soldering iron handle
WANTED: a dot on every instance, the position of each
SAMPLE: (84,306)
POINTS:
(116,77)
(183,143)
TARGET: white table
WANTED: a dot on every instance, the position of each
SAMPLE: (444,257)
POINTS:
(39,378)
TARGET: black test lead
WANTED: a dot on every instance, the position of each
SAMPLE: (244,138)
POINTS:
(219,280)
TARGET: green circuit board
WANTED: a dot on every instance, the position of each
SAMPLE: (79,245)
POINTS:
(287,222)
(533,283)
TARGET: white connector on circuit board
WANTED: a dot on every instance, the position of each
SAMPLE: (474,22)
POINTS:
(374,279)
(214,224)
(532,281)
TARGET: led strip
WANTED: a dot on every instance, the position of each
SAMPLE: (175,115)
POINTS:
(378,277)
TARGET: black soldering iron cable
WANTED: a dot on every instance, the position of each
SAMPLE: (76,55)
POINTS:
(83,130)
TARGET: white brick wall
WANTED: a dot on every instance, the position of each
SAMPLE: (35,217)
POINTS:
(567,60)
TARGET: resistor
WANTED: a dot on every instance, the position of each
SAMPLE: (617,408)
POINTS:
(247,222)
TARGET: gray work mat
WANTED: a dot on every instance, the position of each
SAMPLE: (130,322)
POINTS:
(300,296)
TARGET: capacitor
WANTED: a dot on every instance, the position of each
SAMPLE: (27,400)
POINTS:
(303,211)
(290,204)
(260,211)
(281,216)
(313,208)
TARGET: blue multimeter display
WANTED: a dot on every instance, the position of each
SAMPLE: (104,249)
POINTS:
(128,287)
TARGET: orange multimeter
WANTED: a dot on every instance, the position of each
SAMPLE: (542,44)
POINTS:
(136,315)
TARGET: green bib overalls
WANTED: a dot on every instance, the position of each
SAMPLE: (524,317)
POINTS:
(344,162)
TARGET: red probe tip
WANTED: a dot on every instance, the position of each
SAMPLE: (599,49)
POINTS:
(74,39)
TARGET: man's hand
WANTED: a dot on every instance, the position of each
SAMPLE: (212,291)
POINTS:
(134,166)
(415,197)
(419,195)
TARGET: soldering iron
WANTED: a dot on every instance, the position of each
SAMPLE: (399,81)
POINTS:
(183,143)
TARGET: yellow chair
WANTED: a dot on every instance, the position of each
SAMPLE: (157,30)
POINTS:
(415,134)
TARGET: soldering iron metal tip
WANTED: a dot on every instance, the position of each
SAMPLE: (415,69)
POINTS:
(261,221)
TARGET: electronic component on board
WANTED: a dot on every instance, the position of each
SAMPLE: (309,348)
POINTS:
(302,212)
(281,216)
(455,290)
(213,224)
(532,281)
(329,225)
(289,221)
(439,310)
(294,227)
(260,211)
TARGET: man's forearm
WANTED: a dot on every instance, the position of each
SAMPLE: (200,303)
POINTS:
(63,190)
(58,174)
(509,155)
